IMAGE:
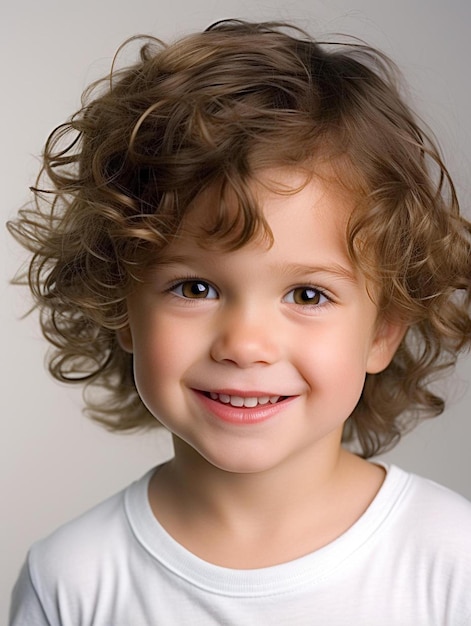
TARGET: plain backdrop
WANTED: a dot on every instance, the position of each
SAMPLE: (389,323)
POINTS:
(55,463)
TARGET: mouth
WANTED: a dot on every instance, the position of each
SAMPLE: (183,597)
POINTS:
(242,408)
(248,402)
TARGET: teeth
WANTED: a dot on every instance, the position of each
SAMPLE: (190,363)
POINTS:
(239,401)
(250,402)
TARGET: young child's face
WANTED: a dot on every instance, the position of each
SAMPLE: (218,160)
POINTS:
(253,356)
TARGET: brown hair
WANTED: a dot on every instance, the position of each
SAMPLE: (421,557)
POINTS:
(213,108)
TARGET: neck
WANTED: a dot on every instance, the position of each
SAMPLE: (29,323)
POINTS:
(297,506)
(205,487)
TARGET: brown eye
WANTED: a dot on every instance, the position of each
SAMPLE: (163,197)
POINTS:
(194,289)
(305,295)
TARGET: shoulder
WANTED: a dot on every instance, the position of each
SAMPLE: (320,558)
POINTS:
(435,504)
(417,516)
(432,523)
(96,527)
(79,553)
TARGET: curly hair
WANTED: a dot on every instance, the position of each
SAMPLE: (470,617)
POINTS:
(212,109)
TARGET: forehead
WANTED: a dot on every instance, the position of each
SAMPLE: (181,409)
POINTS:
(304,225)
(222,212)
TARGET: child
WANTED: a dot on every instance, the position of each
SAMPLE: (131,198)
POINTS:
(252,241)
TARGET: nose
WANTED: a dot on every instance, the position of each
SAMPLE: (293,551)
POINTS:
(246,338)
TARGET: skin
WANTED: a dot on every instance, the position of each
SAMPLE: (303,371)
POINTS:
(292,320)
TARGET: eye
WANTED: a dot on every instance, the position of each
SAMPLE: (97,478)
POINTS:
(194,289)
(306,296)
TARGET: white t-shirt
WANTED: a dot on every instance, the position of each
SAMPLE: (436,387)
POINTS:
(405,562)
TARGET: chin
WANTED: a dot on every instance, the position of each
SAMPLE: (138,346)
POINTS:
(242,462)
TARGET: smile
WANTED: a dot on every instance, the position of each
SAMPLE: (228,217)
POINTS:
(248,402)
(243,408)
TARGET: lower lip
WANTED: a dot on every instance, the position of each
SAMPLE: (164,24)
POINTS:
(242,415)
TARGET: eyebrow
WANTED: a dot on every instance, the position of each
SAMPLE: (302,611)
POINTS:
(333,269)
(174,259)
(294,269)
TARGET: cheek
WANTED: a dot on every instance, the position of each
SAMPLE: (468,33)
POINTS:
(336,362)
(162,353)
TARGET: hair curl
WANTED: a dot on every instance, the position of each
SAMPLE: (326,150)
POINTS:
(213,108)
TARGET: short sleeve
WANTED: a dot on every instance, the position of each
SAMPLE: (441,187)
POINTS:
(26,608)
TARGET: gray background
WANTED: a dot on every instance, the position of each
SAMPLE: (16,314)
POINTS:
(55,462)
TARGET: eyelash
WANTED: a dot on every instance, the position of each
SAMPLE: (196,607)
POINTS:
(319,293)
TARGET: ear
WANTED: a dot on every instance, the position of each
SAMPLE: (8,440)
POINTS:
(124,337)
(387,340)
